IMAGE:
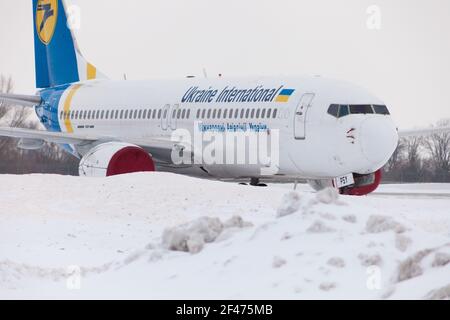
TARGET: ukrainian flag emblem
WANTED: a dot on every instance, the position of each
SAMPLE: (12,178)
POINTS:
(284,95)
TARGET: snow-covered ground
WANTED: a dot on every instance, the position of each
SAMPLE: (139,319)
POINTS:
(161,235)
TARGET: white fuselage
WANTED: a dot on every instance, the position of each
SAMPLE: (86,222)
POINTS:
(313,143)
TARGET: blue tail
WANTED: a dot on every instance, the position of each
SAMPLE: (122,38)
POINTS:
(57,58)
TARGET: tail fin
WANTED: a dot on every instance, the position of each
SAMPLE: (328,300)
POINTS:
(57,58)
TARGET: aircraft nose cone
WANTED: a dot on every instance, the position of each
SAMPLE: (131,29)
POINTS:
(378,138)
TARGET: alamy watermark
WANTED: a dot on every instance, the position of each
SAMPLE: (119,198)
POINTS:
(73,281)
(373,21)
(215,145)
(74,17)
(373,278)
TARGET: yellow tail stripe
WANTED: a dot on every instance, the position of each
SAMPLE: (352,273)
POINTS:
(67,105)
(91,72)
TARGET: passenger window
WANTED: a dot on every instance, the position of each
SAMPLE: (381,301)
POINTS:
(179,114)
(214,113)
(333,110)
(236,113)
(154,114)
(253,113)
(159,113)
(209,114)
(225,112)
(198,114)
(263,113)
(269,112)
(89,115)
(140,114)
(188,115)
(242,113)
(203,113)
(379,109)
(257,113)
(102,114)
(183,114)
(219,113)
(343,110)
(247,113)
(274,114)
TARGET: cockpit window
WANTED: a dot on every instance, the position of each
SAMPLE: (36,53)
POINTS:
(333,110)
(342,110)
(361,108)
(379,109)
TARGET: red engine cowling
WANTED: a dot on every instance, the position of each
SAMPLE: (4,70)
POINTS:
(364,184)
(114,158)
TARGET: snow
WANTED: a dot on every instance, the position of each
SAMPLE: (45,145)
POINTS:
(162,235)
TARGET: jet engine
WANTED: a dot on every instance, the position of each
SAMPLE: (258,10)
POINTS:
(114,158)
(364,184)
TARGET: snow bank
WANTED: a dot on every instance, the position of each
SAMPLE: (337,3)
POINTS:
(256,243)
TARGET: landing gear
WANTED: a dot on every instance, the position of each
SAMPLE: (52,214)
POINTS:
(255,182)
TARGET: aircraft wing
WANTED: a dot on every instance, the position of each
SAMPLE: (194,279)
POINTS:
(422,132)
(56,137)
(150,143)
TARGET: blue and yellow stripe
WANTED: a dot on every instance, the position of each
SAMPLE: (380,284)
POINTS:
(284,95)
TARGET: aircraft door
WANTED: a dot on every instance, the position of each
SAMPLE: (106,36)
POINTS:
(300,115)
(174,116)
(165,117)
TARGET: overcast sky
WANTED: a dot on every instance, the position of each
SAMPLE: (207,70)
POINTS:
(406,63)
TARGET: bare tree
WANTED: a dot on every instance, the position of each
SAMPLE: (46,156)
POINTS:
(438,145)
(397,157)
(412,171)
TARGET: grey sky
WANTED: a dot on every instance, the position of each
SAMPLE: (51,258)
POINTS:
(406,63)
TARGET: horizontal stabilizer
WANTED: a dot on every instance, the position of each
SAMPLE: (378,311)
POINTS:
(22,100)
(423,132)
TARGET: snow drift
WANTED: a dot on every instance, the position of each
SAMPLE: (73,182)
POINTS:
(160,235)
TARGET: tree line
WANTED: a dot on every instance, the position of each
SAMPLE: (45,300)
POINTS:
(421,159)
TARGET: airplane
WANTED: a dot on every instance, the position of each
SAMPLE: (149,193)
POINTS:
(330,132)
